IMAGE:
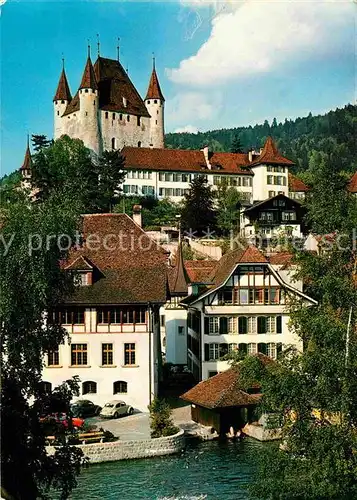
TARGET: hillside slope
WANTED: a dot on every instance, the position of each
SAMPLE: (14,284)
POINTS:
(334,133)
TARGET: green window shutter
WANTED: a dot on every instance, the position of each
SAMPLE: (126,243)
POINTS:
(206,332)
(262,324)
(206,352)
(279,327)
(279,348)
(223,325)
(223,350)
(242,348)
(242,324)
(262,348)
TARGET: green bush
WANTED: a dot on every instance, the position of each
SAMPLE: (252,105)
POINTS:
(161,423)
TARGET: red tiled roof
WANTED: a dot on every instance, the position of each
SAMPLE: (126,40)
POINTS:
(184,160)
(130,267)
(200,271)
(271,155)
(63,93)
(352,185)
(27,164)
(154,90)
(281,259)
(247,255)
(296,185)
(88,79)
(225,389)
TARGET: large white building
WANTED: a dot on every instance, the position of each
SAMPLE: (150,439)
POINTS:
(113,316)
(107,112)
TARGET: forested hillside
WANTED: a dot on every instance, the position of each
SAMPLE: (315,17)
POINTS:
(334,133)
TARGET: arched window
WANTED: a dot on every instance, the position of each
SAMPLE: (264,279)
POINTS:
(46,387)
(155,101)
(139,144)
(57,113)
(120,117)
(106,114)
(120,387)
(89,387)
(113,143)
(113,116)
(128,118)
(86,91)
(62,102)
(148,102)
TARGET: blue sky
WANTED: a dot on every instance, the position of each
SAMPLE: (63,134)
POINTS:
(220,63)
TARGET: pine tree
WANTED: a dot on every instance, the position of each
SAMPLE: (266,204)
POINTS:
(197,213)
(40,141)
(236,146)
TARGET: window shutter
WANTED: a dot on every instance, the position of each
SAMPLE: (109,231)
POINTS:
(262,324)
(223,325)
(242,348)
(262,348)
(279,324)
(242,324)
(223,350)
(206,332)
(206,352)
(279,348)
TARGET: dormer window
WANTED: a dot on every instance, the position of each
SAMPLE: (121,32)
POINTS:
(83,278)
(125,102)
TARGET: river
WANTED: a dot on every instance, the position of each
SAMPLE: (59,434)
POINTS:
(211,470)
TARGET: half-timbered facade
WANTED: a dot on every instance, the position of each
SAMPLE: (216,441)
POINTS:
(245,308)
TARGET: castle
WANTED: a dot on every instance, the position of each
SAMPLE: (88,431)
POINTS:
(107,112)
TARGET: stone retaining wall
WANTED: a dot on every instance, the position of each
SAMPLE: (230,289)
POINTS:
(123,450)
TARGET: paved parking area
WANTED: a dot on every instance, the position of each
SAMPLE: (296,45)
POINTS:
(137,426)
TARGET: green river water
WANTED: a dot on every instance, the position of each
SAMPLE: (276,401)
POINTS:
(211,470)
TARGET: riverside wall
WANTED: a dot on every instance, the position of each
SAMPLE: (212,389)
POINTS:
(125,450)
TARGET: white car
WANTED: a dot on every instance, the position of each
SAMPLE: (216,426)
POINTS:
(116,409)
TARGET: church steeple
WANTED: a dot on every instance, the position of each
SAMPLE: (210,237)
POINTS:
(154,90)
(180,279)
(88,79)
(63,92)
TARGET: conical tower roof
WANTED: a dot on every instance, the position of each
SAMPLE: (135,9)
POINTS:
(88,79)
(27,164)
(180,279)
(154,90)
(270,155)
(63,93)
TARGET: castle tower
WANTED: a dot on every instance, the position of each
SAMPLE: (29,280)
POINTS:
(88,108)
(26,168)
(155,104)
(60,101)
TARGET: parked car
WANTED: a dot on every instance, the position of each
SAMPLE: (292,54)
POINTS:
(115,409)
(63,419)
(84,408)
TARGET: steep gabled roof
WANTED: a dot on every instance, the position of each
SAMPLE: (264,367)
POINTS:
(185,160)
(114,85)
(296,185)
(89,80)
(27,164)
(63,93)
(247,255)
(270,155)
(154,90)
(200,271)
(80,264)
(352,185)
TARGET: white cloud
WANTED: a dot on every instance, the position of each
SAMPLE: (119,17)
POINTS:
(256,37)
(184,106)
(187,129)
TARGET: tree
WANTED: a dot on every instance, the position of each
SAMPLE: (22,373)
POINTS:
(161,423)
(34,241)
(67,165)
(197,213)
(315,392)
(236,146)
(8,188)
(228,205)
(40,141)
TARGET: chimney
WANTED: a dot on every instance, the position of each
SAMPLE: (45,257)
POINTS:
(250,156)
(206,155)
(137,218)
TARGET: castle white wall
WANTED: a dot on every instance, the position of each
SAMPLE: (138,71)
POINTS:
(261,187)
(156,109)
